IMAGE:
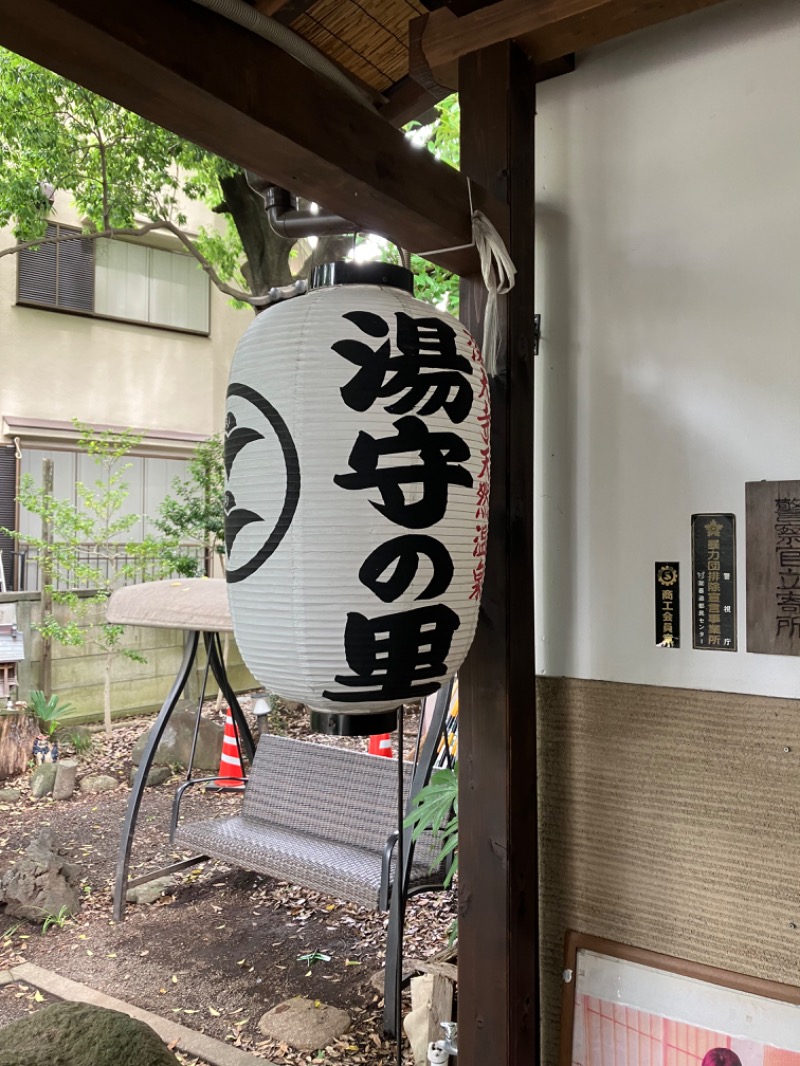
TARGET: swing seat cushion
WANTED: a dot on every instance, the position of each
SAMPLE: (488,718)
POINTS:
(318,816)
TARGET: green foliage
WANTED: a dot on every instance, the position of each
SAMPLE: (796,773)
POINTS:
(436,809)
(118,166)
(80,741)
(120,170)
(432,283)
(49,711)
(58,920)
(195,510)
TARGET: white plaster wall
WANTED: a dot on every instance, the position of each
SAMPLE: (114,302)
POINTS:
(669,283)
(60,366)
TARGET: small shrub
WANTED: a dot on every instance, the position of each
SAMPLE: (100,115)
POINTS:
(48,711)
(58,920)
(80,740)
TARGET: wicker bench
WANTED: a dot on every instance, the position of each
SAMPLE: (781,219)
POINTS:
(318,816)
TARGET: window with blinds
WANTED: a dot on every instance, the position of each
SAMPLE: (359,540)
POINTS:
(58,275)
(115,279)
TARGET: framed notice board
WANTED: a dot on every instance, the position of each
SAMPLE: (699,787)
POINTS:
(623,1006)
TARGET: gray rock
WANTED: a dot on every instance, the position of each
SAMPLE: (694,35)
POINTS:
(42,779)
(151,891)
(9,795)
(66,775)
(98,783)
(79,1034)
(157,775)
(176,743)
(42,882)
(303,1024)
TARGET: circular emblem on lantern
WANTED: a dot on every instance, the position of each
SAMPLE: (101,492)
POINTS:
(268,530)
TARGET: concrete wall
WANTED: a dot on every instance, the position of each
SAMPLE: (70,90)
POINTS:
(117,373)
(668,259)
(136,688)
(669,252)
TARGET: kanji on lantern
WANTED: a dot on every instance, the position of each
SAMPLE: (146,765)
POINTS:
(440,458)
(428,374)
(396,656)
(405,554)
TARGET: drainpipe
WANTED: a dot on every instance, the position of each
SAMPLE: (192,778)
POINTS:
(288,221)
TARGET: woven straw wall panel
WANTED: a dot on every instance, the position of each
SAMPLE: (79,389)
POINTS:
(670,821)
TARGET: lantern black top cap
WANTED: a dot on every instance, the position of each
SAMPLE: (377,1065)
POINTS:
(343,272)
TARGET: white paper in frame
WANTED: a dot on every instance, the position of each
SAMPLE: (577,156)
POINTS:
(624,1006)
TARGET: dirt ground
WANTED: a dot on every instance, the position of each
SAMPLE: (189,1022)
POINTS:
(226,945)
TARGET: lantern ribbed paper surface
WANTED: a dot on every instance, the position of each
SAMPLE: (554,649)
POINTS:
(357,459)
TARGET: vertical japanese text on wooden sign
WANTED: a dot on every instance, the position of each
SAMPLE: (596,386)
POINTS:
(773,566)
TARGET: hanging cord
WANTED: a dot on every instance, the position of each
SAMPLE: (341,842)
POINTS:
(498,273)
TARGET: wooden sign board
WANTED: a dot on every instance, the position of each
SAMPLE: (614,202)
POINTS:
(772,512)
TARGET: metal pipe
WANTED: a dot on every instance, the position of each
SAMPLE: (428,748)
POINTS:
(287,221)
(271,30)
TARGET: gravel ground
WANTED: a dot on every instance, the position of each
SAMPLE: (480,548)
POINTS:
(226,945)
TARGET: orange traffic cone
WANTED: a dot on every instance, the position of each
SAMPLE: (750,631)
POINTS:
(380,744)
(230,763)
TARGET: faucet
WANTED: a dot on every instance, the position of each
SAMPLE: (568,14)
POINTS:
(440,1050)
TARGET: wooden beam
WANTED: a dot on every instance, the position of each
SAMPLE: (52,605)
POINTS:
(235,94)
(546,29)
(407,100)
(498,1004)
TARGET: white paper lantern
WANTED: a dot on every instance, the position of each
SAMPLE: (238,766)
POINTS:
(357,459)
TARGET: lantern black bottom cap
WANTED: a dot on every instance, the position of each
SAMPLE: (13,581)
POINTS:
(353,725)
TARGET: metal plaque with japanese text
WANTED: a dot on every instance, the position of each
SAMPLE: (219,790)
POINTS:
(772,511)
(714,581)
(668,607)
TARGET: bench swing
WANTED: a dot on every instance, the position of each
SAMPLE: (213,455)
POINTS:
(326,818)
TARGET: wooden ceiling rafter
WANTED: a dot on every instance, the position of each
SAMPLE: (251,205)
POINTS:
(545,29)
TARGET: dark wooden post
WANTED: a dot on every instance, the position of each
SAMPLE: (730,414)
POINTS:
(498,955)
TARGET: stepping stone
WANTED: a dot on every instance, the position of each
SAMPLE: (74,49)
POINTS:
(98,783)
(150,891)
(304,1024)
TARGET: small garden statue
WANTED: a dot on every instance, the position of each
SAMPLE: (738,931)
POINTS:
(45,750)
(49,712)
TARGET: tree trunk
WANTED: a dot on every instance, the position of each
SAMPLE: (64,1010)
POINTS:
(268,262)
(18,731)
(267,253)
(107,693)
